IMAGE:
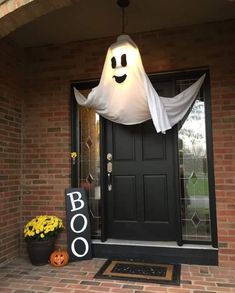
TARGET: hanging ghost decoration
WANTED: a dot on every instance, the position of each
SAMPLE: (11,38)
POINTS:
(125,94)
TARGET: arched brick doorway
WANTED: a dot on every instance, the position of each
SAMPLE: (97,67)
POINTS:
(15,13)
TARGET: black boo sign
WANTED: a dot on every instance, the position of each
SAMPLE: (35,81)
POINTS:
(78,225)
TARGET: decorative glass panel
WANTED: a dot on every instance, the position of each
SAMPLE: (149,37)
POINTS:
(89,163)
(195,212)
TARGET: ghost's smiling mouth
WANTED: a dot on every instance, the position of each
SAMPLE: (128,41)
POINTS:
(120,79)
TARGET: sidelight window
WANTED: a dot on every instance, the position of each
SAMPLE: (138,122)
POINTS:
(193,170)
(89,164)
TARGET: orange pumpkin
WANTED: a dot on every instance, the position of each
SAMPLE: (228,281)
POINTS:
(59,258)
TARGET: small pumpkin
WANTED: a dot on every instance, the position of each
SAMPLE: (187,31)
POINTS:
(59,258)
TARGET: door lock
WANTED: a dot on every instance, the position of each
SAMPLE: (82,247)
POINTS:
(109,156)
(109,170)
(109,167)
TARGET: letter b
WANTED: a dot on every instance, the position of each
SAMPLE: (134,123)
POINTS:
(74,200)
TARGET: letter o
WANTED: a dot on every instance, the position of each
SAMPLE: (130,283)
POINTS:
(84,225)
(73,247)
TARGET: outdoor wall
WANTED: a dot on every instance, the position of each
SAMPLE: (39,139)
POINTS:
(46,147)
(47,133)
(10,149)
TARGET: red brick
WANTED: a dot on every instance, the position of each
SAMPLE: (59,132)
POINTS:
(110,285)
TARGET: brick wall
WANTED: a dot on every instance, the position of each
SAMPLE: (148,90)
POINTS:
(46,147)
(10,149)
(47,135)
(46,162)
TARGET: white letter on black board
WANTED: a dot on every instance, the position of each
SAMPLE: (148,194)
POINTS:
(84,223)
(74,250)
(73,200)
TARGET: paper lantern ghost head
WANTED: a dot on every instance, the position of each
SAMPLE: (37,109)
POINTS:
(125,94)
(124,58)
(123,62)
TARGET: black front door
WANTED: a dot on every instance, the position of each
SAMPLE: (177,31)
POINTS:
(140,195)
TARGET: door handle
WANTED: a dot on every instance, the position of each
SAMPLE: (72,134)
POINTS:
(109,182)
(109,173)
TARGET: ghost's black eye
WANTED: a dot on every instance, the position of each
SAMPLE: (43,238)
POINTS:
(113,62)
(123,60)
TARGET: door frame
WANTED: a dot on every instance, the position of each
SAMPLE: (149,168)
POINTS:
(184,73)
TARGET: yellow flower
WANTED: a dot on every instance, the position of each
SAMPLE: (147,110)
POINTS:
(73,155)
(42,226)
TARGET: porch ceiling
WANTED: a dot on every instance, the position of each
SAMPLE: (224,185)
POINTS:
(89,19)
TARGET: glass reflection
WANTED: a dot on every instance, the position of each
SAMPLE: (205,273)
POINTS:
(195,212)
(89,163)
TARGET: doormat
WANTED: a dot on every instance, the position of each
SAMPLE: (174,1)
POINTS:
(140,272)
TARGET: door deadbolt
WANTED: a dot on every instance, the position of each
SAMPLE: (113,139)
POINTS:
(109,156)
(109,167)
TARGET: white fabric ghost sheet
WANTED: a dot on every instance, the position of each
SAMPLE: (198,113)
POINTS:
(125,94)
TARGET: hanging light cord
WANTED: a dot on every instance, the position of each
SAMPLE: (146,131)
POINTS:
(123,20)
(123,4)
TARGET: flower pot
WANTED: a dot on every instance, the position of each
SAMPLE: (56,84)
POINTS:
(39,251)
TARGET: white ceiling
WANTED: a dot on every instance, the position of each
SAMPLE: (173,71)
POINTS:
(89,19)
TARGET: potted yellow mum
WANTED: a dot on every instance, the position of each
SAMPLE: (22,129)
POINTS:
(40,234)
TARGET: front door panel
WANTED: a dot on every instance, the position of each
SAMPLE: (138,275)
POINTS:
(141,203)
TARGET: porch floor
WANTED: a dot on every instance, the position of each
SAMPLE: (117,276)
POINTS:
(19,276)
